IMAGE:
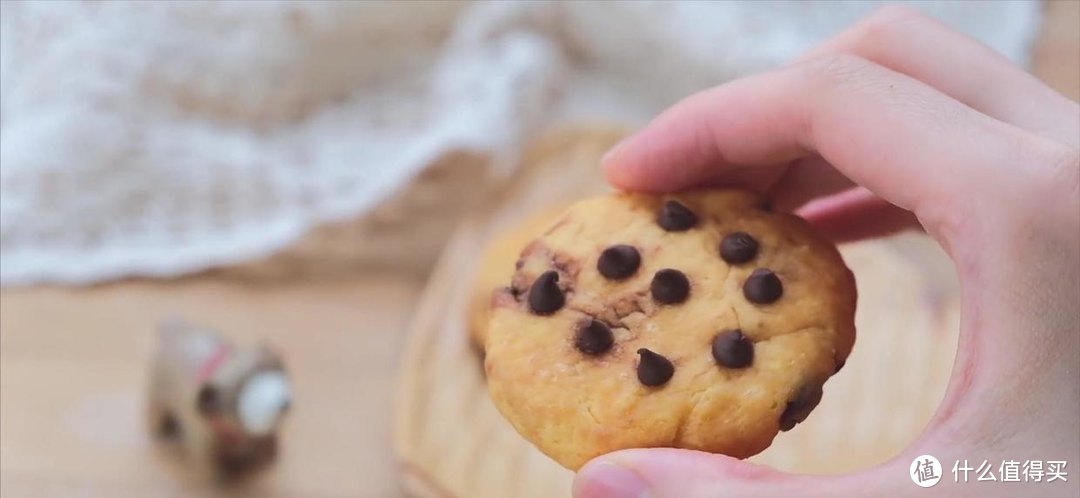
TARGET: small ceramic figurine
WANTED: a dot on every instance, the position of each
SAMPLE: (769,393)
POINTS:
(223,404)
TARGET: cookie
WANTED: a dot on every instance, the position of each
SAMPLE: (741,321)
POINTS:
(698,320)
(497,267)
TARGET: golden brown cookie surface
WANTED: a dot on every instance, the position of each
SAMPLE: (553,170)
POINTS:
(695,320)
(497,268)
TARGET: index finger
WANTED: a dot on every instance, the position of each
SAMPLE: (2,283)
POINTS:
(903,140)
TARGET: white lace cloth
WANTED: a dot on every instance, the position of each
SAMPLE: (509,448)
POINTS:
(159,138)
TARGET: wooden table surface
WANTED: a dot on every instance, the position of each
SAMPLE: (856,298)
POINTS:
(73,366)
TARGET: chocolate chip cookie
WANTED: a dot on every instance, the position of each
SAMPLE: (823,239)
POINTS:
(697,320)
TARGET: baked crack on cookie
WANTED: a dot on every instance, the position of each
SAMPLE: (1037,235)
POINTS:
(698,320)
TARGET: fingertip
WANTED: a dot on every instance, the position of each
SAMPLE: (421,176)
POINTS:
(647,162)
(656,159)
(637,473)
(603,478)
(617,170)
(687,147)
(661,463)
(662,472)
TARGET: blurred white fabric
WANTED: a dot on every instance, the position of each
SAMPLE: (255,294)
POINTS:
(160,138)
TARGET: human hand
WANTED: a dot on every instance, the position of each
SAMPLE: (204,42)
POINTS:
(900,122)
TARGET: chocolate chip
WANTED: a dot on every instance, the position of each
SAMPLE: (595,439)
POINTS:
(670,286)
(674,217)
(618,262)
(594,338)
(762,287)
(799,407)
(545,296)
(738,247)
(732,349)
(653,369)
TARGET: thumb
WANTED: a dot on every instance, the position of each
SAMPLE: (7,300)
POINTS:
(672,473)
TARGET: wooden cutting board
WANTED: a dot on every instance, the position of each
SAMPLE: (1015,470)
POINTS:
(452,442)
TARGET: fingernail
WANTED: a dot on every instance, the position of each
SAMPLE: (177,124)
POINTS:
(608,480)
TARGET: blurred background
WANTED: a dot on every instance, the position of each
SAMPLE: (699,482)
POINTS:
(324,176)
